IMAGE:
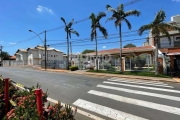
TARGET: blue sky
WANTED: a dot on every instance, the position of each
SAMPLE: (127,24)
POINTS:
(18,16)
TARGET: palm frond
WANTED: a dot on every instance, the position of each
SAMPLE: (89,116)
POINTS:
(101,15)
(103,31)
(128,23)
(169,26)
(70,24)
(160,17)
(132,13)
(109,8)
(120,8)
(74,32)
(92,16)
(144,28)
(63,20)
(93,19)
(155,31)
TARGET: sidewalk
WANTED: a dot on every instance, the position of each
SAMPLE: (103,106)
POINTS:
(173,80)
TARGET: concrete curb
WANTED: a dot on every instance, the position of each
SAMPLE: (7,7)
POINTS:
(118,76)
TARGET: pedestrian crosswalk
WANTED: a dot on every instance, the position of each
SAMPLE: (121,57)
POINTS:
(139,102)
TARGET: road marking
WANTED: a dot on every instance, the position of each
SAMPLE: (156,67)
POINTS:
(140,81)
(150,88)
(142,103)
(141,93)
(106,111)
(152,84)
(78,110)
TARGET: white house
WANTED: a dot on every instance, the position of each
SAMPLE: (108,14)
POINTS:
(37,55)
(21,56)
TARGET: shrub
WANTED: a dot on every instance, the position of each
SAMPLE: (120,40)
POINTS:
(107,65)
(111,69)
(74,68)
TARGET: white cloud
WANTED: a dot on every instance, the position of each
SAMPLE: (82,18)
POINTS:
(41,9)
(176,0)
(12,43)
(104,47)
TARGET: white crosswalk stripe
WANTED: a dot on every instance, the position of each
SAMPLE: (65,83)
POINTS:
(145,87)
(152,84)
(141,93)
(118,113)
(140,81)
(142,103)
(106,111)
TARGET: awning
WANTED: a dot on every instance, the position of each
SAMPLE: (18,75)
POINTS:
(175,53)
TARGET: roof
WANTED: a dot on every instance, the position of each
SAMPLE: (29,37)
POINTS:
(38,47)
(12,57)
(22,50)
(125,50)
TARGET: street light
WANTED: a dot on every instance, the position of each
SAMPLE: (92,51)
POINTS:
(43,42)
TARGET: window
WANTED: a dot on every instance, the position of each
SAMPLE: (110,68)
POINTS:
(177,38)
(54,55)
(51,55)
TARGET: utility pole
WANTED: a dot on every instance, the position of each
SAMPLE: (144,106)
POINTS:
(45,47)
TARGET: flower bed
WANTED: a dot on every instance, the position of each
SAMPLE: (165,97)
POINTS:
(24,105)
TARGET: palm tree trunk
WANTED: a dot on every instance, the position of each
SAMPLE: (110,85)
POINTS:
(67,62)
(96,55)
(156,56)
(120,62)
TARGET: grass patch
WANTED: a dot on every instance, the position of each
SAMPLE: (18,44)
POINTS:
(136,73)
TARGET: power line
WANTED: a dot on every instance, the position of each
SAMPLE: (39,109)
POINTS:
(88,40)
(98,36)
(101,43)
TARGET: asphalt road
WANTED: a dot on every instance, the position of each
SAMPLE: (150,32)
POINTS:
(107,98)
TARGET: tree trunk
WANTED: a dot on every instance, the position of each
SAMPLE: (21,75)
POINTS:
(156,56)
(96,55)
(67,62)
(120,62)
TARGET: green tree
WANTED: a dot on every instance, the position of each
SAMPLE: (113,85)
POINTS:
(158,27)
(69,30)
(119,15)
(129,45)
(95,23)
(4,55)
(88,51)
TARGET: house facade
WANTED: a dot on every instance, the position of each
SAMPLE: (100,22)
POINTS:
(36,55)
(170,49)
(21,56)
(133,59)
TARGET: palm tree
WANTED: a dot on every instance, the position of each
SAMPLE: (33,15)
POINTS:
(120,15)
(158,27)
(69,30)
(95,23)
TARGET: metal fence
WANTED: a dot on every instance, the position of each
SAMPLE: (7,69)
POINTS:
(54,64)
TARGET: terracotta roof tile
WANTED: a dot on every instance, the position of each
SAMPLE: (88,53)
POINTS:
(124,50)
(12,57)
